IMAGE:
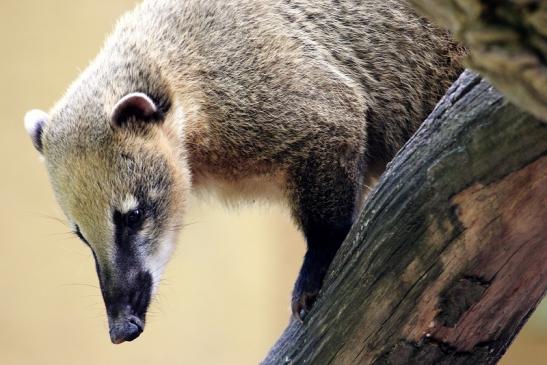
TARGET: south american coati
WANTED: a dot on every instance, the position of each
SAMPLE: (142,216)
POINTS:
(299,100)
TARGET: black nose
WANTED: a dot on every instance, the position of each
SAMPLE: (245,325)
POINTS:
(125,329)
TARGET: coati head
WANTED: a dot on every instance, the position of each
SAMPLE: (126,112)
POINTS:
(119,177)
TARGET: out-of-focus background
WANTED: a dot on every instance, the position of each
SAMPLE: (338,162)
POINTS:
(225,297)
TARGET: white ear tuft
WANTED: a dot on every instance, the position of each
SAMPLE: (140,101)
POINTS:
(134,106)
(34,124)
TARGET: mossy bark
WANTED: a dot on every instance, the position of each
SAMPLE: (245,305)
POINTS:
(448,258)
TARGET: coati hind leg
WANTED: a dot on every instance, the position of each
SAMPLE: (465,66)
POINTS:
(326,196)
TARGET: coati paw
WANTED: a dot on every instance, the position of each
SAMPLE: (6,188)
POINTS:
(302,303)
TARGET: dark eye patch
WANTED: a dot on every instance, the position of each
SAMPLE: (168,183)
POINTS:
(134,218)
(127,226)
(131,221)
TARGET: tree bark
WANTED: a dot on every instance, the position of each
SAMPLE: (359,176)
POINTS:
(507,42)
(449,256)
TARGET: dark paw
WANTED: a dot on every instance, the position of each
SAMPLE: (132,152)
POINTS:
(302,303)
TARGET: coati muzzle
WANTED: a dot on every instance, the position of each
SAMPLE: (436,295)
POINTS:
(126,306)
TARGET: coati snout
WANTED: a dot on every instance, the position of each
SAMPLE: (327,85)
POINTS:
(303,101)
(126,292)
(126,306)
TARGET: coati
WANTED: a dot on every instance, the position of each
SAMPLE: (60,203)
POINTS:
(300,100)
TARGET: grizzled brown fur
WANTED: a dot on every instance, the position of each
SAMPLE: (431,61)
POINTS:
(303,100)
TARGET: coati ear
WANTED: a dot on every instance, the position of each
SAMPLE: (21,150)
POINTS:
(35,120)
(135,106)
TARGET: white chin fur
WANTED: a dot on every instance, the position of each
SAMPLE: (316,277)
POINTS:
(156,264)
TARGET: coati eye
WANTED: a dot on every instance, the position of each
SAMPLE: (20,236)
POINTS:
(134,218)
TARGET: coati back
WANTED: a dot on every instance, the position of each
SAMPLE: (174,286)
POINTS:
(302,100)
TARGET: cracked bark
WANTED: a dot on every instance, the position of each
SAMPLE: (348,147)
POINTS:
(448,258)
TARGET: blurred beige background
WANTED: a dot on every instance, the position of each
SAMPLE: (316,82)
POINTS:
(225,297)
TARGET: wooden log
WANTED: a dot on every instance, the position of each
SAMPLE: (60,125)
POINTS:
(449,257)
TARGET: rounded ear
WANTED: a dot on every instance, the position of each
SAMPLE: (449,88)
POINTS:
(35,120)
(134,107)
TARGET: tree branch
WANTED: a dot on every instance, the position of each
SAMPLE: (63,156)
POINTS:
(447,260)
(507,42)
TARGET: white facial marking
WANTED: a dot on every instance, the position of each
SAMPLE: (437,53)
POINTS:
(128,204)
(155,264)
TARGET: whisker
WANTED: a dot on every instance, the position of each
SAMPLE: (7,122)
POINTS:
(165,282)
(180,226)
(160,267)
(51,217)
(91,296)
(64,234)
(80,284)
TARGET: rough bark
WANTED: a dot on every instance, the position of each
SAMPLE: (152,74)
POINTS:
(507,42)
(448,258)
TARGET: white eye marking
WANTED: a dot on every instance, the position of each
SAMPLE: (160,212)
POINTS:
(128,204)
(156,263)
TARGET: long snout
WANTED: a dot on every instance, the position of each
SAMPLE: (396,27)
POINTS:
(126,302)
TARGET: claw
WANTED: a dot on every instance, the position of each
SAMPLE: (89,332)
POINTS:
(302,305)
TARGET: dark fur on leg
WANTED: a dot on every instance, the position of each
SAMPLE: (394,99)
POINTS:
(325,210)
(323,244)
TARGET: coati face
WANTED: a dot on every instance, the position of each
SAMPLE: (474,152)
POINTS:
(122,186)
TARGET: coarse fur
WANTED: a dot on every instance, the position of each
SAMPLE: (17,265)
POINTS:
(299,100)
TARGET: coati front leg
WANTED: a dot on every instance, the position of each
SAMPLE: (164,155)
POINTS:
(326,196)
